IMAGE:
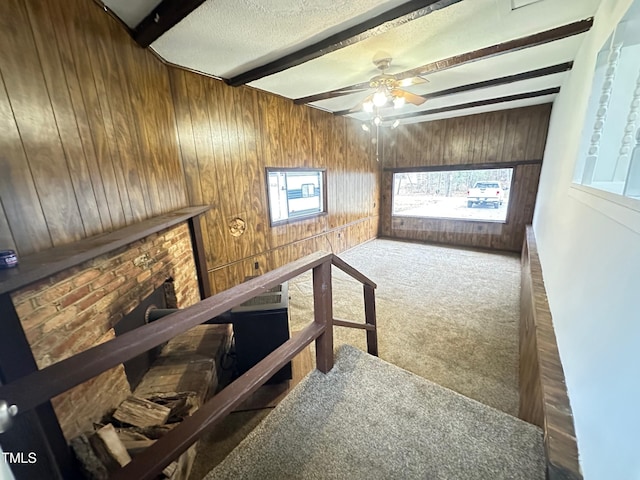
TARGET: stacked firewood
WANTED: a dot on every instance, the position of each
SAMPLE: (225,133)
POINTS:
(133,427)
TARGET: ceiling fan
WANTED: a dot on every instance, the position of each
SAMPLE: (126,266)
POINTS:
(389,89)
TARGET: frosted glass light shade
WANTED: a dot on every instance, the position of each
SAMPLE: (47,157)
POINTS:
(380,98)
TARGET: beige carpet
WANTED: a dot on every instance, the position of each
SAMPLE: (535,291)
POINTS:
(449,315)
(367,419)
(446,314)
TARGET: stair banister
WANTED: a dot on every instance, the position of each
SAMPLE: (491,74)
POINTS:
(37,388)
(369,305)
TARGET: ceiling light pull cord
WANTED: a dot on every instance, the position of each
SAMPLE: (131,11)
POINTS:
(378,142)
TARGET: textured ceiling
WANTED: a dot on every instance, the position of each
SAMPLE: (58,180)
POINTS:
(460,28)
(225,38)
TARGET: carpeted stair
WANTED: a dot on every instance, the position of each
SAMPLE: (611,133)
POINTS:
(368,419)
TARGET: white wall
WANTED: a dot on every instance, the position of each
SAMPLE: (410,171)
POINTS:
(589,246)
(5,471)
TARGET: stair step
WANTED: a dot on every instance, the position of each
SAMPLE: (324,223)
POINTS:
(368,419)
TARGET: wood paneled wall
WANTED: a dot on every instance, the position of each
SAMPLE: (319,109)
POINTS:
(88,128)
(97,133)
(503,137)
(228,136)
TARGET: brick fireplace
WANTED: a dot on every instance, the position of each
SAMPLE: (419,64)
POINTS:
(77,308)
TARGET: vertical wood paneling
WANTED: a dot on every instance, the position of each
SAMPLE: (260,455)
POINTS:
(94,38)
(72,20)
(113,62)
(339,153)
(80,115)
(63,112)
(235,134)
(233,108)
(98,133)
(186,138)
(89,119)
(494,137)
(17,190)
(208,180)
(256,186)
(189,154)
(219,163)
(29,98)
(155,118)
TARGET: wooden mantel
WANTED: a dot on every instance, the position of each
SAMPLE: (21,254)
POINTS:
(39,430)
(37,266)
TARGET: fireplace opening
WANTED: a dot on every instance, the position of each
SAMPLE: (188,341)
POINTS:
(161,298)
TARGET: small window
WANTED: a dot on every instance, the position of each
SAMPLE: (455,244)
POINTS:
(295,193)
(609,156)
(481,195)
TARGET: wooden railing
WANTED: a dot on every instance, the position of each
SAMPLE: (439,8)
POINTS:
(39,387)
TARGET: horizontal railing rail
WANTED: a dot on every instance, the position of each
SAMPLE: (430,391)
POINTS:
(147,464)
(369,305)
(39,387)
(338,322)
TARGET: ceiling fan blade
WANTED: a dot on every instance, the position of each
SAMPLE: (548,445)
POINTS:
(407,82)
(409,97)
(360,106)
(356,108)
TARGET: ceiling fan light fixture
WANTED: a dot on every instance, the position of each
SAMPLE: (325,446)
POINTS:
(368,106)
(380,97)
(398,102)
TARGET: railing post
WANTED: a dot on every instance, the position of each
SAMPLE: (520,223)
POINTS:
(370,318)
(323,314)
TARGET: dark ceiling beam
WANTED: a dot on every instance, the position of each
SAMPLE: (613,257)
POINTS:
(374,26)
(165,16)
(494,82)
(521,43)
(479,103)
(327,95)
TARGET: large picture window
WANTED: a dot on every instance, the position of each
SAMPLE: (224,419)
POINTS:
(295,193)
(455,194)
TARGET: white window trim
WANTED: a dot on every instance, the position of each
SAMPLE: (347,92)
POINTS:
(623,210)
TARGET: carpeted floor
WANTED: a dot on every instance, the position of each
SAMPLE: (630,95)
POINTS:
(449,315)
(369,419)
(446,314)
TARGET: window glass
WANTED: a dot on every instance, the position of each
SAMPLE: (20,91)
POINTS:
(295,193)
(457,194)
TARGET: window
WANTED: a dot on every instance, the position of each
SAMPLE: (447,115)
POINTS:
(295,193)
(609,157)
(455,194)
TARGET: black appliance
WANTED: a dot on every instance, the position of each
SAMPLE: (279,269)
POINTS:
(260,325)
